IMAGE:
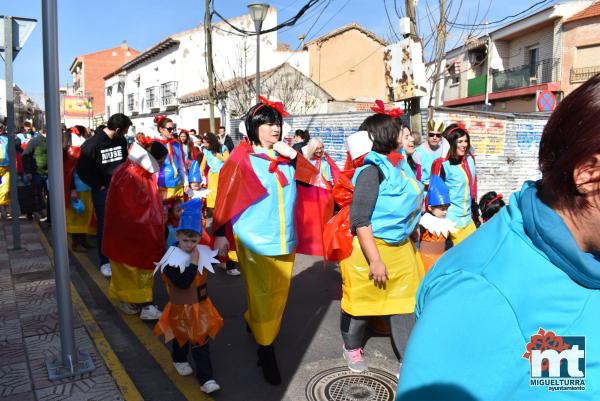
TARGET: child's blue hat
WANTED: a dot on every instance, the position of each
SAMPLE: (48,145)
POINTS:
(438,193)
(194,175)
(191,218)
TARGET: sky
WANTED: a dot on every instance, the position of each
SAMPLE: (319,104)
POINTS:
(86,26)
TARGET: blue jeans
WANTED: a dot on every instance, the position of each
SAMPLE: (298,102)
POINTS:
(99,201)
(41,200)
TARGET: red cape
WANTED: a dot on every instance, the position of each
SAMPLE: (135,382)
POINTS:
(239,187)
(70,157)
(314,208)
(134,220)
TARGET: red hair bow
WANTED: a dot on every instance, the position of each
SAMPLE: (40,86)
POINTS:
(498,197)
(379,108)
(144,140)
(159,118)
(462,125)
(75,131)
(280,107)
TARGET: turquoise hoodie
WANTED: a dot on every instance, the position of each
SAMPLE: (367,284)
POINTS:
(479,306)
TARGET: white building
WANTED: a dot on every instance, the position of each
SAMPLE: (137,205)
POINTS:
(153,82)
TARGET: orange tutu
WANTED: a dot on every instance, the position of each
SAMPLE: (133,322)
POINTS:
(193,322)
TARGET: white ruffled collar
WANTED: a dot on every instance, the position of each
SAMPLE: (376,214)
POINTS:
(142,157)
(77,140)
(436,225)
(177,257)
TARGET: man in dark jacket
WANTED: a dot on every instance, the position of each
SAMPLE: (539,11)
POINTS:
(35,166)
(100,156)
(225,139)
(301,137)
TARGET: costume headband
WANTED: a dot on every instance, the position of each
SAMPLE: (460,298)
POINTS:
(460,125)
(144,140)
(498,197)
(379,108)
(159,118)
(280,107)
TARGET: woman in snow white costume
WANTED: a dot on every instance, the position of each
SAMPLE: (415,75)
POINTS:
(134,231)
(256,204)
(172,178)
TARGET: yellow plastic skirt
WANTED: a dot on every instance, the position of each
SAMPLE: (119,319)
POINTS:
(168,193)
(4,186)
(129,284)
(463,233)
(267,281)
(81,223)
(213,183)
(360,295)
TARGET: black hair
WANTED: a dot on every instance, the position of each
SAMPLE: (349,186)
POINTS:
(384,131)
(488,210)
(195,132)
(453,133)
(118,121)
(189,233)
(304,134)
(82,130)
(158,150)
(221,127)
(258,115)
(214,145)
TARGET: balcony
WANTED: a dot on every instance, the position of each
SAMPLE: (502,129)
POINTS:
(542,72)
(583,74)
(168,94)
(152,97)
(476,86)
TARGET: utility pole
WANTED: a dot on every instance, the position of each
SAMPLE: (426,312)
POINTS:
(209,62)
(441,43)
(414,104)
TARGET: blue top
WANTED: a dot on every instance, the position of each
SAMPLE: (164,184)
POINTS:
(428,156)
(460,192)
(213,162)
(481,303)
(267,226)
(172,174)
(398,202)
(323,167)
(3,151)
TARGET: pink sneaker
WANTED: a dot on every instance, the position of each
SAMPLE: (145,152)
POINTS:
(355,360)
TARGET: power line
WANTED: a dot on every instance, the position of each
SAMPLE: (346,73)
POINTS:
(480,25)
(289,22)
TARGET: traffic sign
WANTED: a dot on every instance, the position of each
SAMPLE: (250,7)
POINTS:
(546,101)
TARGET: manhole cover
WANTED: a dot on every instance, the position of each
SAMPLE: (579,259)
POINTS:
(340,384)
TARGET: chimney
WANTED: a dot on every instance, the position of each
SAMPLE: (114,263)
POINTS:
(124,46)
(301,38)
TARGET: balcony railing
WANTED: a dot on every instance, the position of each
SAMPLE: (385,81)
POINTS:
(584,73)
(541,72)
(152,97)
(476,86)
(168,93)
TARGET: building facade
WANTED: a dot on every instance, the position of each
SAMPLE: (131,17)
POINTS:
(507,70)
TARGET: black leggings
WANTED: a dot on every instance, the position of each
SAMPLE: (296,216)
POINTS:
(200,355)
(353,330)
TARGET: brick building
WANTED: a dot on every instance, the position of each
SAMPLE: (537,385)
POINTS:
(88,72)
(581,47)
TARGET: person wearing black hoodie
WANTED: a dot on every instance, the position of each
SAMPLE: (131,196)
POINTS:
(100,156)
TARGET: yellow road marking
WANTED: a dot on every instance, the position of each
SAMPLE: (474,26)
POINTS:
(117,371)
(187,385)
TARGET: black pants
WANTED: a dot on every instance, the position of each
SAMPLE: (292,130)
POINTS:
(353,330)
(99,201)
(200,355)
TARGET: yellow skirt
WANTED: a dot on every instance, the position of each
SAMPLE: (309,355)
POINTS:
(463,233)
(360,295)
(267,281)
(213,183)
(168,193)
(4,186)
(81,223)
(129,284)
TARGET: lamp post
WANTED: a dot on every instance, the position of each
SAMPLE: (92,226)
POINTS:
(258,12)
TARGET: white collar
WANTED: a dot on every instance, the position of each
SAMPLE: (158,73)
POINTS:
(77,140)
(436,225)
(142,157)
(177,257)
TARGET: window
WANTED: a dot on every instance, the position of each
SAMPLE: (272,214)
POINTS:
(109,90)
(152,97)
(131,106)
(533,61)
(454,75)
(588,56)
(120,107)
(108,111)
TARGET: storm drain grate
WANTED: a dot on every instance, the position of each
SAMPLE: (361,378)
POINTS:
(340,384)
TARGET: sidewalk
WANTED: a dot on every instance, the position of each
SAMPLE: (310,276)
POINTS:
(29,328)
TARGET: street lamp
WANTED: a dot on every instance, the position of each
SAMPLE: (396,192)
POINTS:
(258,12)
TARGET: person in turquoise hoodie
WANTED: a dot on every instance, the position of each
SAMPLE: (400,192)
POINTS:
(524,287)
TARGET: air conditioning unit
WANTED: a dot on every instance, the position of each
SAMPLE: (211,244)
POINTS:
(533,81)
(477,58)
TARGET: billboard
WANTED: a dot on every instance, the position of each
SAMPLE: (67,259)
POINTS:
(76,106)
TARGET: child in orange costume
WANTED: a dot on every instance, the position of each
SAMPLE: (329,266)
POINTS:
(190,317)
(435,227)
